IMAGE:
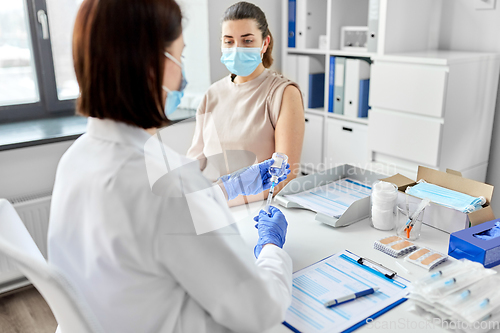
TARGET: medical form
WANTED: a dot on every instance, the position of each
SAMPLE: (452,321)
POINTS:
(334,277)
(334,198)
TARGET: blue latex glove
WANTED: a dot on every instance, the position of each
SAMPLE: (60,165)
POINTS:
(490,233)
(251,180)
(272,229)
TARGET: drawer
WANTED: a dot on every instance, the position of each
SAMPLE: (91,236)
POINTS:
(405,136)
(419,89)
(312,149)
(346,142)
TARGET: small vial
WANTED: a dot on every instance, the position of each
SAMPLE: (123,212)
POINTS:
(279,166)
(276,170)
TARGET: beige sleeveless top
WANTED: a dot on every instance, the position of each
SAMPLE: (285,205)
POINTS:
(235,123)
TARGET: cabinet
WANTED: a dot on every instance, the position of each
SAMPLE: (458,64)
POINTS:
(433,108)
(312,152)
(428,107)
(346,142)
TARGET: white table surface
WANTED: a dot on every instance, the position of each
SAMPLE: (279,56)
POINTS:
(309,241)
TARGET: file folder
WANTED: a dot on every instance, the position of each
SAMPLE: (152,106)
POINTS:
(300,23)
(355,70)
(310,23)
(331,85)
(364,89)
(292,14)
(373,22)
(307,65)
(316,90)
(338,104)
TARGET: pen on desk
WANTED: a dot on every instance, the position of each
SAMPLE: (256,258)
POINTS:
(350,297)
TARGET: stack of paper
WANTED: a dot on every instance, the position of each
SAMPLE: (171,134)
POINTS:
(332,199)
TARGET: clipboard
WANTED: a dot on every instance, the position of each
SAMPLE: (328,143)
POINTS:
(339,274)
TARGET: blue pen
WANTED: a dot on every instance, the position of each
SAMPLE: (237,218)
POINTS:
(350,297)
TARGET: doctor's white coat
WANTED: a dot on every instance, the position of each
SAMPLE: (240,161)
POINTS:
(135,255)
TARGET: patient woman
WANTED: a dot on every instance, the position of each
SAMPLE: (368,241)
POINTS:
(254,109)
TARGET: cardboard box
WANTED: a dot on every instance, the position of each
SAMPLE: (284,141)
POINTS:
(447,219)
(357,211)
(463,244)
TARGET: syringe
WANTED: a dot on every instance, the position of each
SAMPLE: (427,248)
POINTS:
(269,198)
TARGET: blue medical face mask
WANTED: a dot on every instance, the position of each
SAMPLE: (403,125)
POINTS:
(174,96)
(242,61)
(449,198)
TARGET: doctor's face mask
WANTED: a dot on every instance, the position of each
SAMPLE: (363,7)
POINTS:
(174,96)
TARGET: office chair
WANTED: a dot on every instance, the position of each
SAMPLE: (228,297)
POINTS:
(69,308)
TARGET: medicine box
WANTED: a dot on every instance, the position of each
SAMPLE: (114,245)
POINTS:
(357,211)
(447,219)
(463,244)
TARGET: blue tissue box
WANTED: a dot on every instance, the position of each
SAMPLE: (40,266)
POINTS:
(463,244)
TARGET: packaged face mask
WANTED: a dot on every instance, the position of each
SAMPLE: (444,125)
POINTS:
(445,197)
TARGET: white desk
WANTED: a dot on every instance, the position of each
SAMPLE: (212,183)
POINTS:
(309,241)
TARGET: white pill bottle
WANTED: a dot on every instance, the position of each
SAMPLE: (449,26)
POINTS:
(383,205)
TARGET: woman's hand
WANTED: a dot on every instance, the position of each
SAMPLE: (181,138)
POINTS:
(251,180)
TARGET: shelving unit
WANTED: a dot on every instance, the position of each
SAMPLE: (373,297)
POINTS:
(362,121)
(339,53)
(402,39)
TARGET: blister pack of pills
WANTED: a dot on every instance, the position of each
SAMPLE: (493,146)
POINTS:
(394,246)
(426,258)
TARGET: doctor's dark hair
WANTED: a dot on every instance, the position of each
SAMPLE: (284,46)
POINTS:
(245,10)
(118,57)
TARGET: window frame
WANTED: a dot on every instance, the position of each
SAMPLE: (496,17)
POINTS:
(48,105)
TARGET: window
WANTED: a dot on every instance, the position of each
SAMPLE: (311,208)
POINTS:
(37,78)
(17,68)
(36,71)
(61,20)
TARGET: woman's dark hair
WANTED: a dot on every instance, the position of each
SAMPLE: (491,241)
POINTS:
(245,10)
(118,57)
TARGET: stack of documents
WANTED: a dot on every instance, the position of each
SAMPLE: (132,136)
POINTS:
(332,199)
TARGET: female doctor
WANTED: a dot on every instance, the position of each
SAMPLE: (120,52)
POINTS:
(134,255)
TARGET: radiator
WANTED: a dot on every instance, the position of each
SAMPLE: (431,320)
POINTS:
(34,212)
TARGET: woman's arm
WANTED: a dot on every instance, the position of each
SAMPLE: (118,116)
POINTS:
(288,136)
(289,132)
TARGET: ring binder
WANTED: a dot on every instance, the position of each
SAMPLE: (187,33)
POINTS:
(389,276)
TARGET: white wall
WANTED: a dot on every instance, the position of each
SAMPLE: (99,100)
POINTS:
(30,170)
(467,29)
(216,9)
